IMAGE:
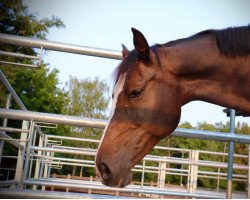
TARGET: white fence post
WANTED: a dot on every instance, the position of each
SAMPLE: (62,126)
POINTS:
(248,180)
(162,173)
(193,171)
(20,157)
(38,162)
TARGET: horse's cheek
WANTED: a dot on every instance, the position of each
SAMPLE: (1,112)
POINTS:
(169,115)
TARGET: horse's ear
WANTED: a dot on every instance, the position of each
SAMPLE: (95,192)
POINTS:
(140,43)
(125,51)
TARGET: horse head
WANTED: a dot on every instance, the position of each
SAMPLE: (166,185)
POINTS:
(146,107)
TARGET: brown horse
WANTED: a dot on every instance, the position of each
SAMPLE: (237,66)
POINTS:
(153,83)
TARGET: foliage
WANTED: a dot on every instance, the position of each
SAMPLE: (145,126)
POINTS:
(37,88)
(87,98)
(15,19)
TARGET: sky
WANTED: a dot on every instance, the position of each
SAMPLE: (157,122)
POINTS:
(107,24)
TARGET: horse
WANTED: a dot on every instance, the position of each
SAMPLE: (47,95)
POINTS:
(152,83)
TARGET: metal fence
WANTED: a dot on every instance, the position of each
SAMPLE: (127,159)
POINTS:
(37,152)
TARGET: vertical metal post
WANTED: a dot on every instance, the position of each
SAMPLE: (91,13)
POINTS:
(162,173)
(182,156)
(45,163)
(143,173)
(33,144)
(218,180)
(20,157)
(42,159)
(189,170)
(1,150)
(38,162)
(194,171)
(248,180)
(229,193)
(27,158)
(5,121)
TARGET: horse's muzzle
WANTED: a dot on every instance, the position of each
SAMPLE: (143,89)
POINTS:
(111,178)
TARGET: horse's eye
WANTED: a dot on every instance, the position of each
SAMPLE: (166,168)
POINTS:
(136,93)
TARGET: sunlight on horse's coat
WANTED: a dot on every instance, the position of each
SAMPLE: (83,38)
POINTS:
(153,83)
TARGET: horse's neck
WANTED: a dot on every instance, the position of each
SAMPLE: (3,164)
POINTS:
(204,74)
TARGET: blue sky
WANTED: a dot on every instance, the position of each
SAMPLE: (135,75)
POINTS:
(106,24)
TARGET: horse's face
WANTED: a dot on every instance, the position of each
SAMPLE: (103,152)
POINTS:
(145,109)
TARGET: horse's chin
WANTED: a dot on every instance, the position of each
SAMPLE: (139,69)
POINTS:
(119,182)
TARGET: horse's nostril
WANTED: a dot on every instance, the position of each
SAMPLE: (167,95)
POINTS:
(105,171)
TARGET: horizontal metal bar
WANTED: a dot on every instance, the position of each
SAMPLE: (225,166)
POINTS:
(161,168)
(216,174)
(18,55)
(209,135)
(57,46)
(8,183)
(73,148)
(10,129)
(52,118)
(10,140)
(55,163)
(72,138)
(172,149)
(128,189)
(7,169)
(38,194)
(222,154)
(7,156)
(221,178)
(182,161)
(59,159)
(18,64)
(98,123)
(67,151)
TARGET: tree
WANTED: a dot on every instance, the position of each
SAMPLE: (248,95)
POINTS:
(37,88)
(87,98)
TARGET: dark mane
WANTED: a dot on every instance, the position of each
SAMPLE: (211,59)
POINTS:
(193,37)
(231,42)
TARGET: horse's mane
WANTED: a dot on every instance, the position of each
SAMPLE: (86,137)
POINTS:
(232,42)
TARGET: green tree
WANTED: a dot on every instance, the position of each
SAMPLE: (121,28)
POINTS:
(87,98)
(37,88)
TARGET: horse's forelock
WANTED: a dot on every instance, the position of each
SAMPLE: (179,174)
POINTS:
(126,66)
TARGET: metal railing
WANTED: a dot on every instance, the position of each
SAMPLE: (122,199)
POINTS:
(58,46)
(44,155)
(45,159)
